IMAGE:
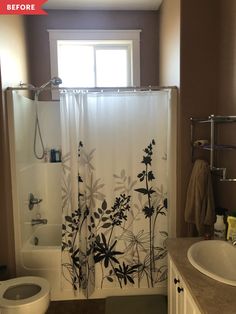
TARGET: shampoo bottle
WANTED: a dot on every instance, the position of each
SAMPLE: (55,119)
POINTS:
(219,227)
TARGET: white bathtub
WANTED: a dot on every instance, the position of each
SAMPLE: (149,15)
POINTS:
(47,252)
(44,260)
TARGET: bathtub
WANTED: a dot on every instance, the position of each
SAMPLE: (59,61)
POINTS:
(43,248)
(44,259)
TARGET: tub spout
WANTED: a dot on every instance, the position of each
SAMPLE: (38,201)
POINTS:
(39,221)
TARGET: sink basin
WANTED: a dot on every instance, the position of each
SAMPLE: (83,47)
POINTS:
(216,259)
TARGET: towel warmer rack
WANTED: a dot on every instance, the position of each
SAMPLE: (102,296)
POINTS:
(213,146)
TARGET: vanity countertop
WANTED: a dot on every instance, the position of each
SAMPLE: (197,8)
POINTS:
(211,296)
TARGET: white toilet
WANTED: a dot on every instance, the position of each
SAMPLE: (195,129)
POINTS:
(24,295)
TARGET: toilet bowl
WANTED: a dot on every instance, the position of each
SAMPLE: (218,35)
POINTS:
(24,295)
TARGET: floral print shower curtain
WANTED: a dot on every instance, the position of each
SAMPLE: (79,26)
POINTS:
(114,189)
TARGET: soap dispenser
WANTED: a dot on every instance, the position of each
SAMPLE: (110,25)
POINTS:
(220,226)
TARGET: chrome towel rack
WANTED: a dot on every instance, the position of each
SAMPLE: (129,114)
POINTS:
(212,146)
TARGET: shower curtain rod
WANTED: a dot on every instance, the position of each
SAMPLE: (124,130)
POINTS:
(96,89)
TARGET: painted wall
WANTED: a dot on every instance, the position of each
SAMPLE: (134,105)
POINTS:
(13,52)
(39,45)
(169,60)
(191,39)
(226,191)
(169,65)
(13,58)
(199,83)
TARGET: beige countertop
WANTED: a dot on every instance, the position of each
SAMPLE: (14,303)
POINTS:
(211,296)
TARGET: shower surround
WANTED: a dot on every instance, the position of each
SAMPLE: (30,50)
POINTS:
(119,205)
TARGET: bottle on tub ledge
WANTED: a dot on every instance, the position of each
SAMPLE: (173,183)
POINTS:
(52,155)
(55,155)
(220,226)
(46,157)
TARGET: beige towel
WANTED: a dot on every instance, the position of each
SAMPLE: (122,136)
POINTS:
(200,207)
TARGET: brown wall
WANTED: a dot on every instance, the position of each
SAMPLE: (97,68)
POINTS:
(208,83)
(39,45)
(13,60)
(226,191)
(199,68)
(197,42)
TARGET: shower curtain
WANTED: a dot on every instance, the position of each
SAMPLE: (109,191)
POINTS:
(114,189)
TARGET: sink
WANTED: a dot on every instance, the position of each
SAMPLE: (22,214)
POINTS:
(216,259)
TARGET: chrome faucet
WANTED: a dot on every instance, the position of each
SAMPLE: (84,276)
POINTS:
(39,221)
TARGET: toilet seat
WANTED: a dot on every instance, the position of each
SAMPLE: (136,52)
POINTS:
(40,296)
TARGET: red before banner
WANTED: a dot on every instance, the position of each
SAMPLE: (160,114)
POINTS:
(22,7)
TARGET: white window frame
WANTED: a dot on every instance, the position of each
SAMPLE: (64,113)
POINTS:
(100,35)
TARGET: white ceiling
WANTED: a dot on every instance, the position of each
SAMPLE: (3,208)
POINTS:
(102,4)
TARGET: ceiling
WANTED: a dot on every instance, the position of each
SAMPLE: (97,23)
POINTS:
(102,4)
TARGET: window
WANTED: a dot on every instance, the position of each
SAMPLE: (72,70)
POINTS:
(95,58)
(92,64)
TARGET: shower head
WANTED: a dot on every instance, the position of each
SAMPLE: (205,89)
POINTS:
(55,81)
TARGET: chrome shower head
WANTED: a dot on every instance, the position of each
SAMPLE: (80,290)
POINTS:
(55,81)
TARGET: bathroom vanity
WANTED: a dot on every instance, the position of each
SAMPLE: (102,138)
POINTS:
(180,300)
(190,291)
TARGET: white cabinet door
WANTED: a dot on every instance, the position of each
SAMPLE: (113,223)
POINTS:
(172,293)
(180,300)
(190,306)
(175,291)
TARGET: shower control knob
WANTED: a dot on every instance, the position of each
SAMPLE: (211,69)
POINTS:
(33,201)
(176,281)
(180,290)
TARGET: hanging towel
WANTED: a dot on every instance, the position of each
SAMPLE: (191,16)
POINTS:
(199,209)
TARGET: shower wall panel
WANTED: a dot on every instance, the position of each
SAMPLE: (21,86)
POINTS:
(24,112)
(38,177)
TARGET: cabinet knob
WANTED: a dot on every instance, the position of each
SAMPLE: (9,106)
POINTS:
(180,289)
(176,281)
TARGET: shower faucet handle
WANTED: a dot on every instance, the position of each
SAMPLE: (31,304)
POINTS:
(33,201)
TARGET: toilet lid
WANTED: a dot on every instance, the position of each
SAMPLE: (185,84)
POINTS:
(31,280)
